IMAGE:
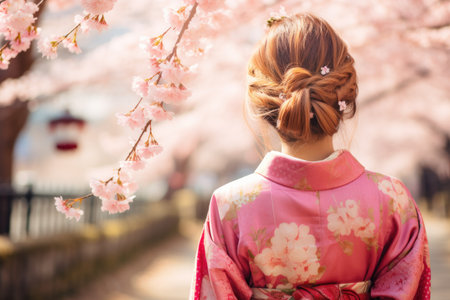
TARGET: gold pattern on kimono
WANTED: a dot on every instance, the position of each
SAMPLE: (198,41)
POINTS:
(234,202)
(375,177)
(347,246)
(303,185)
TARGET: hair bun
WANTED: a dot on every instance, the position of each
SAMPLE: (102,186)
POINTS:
(289,61)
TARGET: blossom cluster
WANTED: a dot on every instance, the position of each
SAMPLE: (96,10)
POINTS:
(293,254)
(93,18)
(345,219)
(17,28)
(193,23)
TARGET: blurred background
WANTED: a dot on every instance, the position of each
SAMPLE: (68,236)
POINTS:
(402,53)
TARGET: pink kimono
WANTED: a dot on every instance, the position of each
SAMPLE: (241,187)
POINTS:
(297,229)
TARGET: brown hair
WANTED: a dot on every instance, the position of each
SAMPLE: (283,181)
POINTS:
(287,64)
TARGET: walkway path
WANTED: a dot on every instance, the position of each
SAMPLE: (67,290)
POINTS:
(164,273)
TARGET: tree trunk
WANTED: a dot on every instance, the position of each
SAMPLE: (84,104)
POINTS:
(12,119)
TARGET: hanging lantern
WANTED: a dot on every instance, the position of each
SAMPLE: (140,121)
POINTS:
(66,131)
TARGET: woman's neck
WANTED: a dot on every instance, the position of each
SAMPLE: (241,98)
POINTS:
(313,151)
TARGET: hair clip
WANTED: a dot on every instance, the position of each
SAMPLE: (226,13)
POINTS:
(282,96)
(342,105)
(324,70)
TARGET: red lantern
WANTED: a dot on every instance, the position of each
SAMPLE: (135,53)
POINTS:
(66,131)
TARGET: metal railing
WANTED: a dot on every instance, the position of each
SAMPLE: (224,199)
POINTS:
(33,214)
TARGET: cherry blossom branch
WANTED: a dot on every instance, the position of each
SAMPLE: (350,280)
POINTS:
(113,191)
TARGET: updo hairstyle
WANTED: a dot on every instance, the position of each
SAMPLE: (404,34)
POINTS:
(286,87)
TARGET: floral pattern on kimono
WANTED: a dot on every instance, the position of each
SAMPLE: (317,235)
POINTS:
(292,255)
(297,229)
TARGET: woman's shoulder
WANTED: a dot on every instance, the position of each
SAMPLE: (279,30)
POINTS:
(242,186)
(396,196)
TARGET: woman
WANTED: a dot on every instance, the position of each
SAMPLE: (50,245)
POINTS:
(311,222)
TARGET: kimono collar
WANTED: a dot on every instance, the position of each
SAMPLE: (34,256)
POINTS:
(337,170)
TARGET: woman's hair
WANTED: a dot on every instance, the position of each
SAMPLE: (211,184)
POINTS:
(285,81)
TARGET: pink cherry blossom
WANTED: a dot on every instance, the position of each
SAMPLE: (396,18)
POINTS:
(153,46)
(134,165)
(127,184)
(16,26)
(153,65)
(82,21)
(9,53)
(70,212)
(100,189)
(96,23)
(169,93)
(20,21)
(149,151)
(114,206)
(135,119)
(71,45)
(158,113)
(175,18)
(140,86)
(98,7)
(48,48)
(21,44)
(174,72)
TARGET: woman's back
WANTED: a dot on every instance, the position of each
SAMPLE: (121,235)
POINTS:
(311,222)
(295,224)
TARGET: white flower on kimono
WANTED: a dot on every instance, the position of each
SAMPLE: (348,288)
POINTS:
(345,219)
(396,191)
(363,228)
(341,222)
(293,254)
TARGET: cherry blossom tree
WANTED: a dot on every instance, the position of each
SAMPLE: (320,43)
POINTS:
(378,32)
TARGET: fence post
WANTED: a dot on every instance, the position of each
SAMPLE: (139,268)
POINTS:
(28,198)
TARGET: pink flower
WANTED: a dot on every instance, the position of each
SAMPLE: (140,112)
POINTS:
(9,53)
(157,113)
(71,45)
(98,7)
(135,165)
(169,93)
(174,72)
(96,23)
(342,105)
(20,45)
(140,86)
(149,151)
(82,21)
(293,254)
(324,70)
(135,119)
(30,7)
(70,212)
(114,206)
(48,48)
(20,21)
(100,189)
(153,46)
(154,63)
(175,18)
